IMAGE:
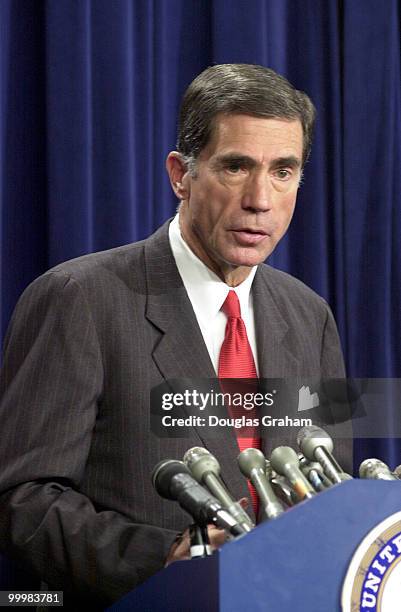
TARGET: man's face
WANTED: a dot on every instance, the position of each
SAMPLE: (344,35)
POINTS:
(239,204)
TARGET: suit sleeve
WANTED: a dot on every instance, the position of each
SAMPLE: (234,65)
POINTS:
(50,388)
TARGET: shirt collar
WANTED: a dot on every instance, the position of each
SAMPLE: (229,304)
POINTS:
(205,289)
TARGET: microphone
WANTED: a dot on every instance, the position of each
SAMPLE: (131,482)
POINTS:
(397,472)
(316,445)
(374,468)
(284,461)
(313,471)
(205,469)
(172,480)
(283,490)
(199,542)
(269,470)
(252,463)
(280,486)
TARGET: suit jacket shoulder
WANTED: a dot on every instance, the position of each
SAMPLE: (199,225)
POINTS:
(288,289)
(296,332)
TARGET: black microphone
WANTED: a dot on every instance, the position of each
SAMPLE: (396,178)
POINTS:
(172,480)
(316,445)
(199,542)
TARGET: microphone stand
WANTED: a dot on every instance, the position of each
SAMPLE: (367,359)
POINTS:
(200,545)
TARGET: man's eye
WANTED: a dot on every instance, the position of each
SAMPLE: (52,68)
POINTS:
(283,174)
(233,168)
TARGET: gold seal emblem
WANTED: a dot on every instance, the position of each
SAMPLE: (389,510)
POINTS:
(373,579)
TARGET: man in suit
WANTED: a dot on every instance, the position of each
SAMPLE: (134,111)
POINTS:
(92,337)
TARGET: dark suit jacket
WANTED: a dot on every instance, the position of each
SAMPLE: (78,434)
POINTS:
(87,342)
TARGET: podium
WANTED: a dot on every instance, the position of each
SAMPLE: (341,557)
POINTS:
(296,563)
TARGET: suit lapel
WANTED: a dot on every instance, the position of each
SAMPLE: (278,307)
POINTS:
(181,352)
(274,357)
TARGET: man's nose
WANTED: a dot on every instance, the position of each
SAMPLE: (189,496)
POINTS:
(258,194)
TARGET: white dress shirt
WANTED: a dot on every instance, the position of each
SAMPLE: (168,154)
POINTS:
(207,294)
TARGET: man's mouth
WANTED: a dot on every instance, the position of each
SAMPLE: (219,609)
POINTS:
(249,236)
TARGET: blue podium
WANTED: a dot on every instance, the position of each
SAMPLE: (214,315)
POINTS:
(295,563)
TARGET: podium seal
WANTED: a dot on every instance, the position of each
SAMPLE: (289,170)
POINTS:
(373,579)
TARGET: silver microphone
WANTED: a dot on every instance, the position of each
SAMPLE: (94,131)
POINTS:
(269,470)
(205,468)
(284,460)
(316,445)
(280,486)
(284,490)
(374,468)
(397,472)
(252,463)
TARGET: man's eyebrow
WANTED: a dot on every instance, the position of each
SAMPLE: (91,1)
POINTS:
(234,158)
(286,162)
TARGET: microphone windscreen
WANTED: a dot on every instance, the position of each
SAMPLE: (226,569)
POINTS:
(164,472)
(310,438)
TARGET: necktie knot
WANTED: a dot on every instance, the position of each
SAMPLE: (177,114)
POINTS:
(231,306)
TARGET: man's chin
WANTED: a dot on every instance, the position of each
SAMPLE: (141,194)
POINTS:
(248,258)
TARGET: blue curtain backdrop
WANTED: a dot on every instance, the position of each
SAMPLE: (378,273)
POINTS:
(88,104)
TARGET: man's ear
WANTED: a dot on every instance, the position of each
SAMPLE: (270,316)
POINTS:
(177,171)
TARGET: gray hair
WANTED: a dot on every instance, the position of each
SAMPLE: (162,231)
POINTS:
(246,89)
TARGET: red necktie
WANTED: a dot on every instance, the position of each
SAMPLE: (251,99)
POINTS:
(236,361)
